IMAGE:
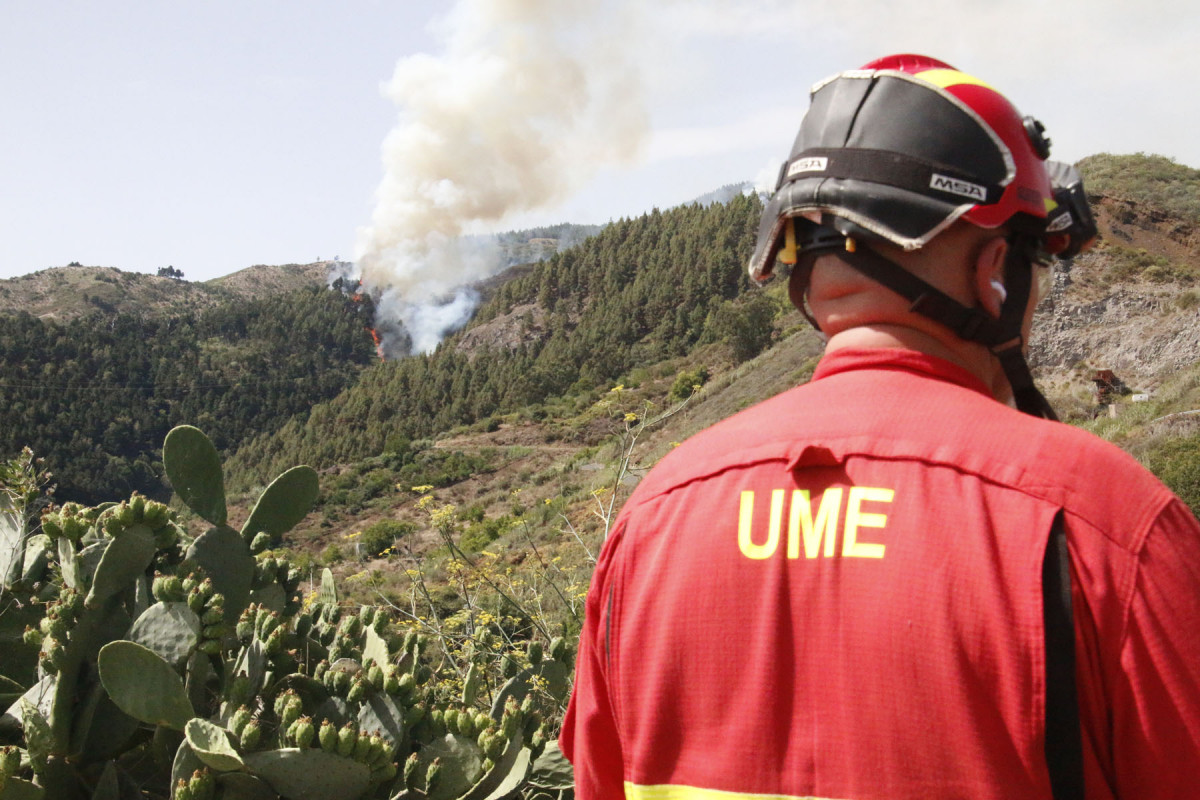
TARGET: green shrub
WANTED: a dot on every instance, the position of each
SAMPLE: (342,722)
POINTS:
(472,513)
(1177,464)
(332,555)
(1126,263)
(379,537)
(687,381)
(1187,300)
(1147,180)
(481,534)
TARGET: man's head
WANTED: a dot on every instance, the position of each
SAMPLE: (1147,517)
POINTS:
(906,166)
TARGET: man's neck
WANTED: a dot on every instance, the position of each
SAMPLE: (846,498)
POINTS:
(974,358)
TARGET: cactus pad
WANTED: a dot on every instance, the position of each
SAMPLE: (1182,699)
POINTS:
(18,789)
(462,765)
(125,558)
(285,502)
(143,685)
(170,629)
(310,774)
(270,596)
(552,770)
(211,745)
(226,559)
(375,649)
(240,786)
(328,591)
(100,730)
(194,469)
(380,712)
(557,683)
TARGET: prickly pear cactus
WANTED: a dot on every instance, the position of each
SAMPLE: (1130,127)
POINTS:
(190,666)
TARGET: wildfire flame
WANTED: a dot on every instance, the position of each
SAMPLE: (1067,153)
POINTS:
(378,344)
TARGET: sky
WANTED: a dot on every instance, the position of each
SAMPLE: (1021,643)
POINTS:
(216,136)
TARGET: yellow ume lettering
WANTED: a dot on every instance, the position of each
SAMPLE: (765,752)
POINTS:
(818,534)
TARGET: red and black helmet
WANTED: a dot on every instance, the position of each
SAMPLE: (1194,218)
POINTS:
(899,150)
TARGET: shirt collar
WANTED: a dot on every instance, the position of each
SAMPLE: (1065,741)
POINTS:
(849,359)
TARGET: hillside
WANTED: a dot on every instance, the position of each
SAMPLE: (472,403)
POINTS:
(263,280)
(66,293)
(95,394)
(1129,306)
(576,373)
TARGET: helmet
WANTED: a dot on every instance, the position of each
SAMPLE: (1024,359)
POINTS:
(896,152)
(899,150)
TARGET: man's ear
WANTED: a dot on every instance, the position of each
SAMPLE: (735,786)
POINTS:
(989,275)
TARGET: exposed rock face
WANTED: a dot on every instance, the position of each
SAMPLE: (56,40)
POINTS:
(1136,329)
(524,324)
(1140,328)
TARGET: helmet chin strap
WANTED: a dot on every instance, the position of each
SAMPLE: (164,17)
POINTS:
(1001,336)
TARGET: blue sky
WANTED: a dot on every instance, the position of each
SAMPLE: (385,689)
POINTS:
(216,136)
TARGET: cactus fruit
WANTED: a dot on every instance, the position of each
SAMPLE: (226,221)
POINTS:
(362,749)
(274,642)
(328,737)
(509,667)
(384,772)
(432,774)
(535,652)
(288,707)
(250,735)
(450,719)
(391,680)
(202,785)
(301,732)
(471,685)
(375,677)
(381,751)
(32,637)
(537,743)
(245,626)
(238,720)
(10,760)
(413,716)
(410,771)
(195,600)
(347,739)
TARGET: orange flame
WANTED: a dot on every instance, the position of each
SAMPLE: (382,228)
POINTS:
(378,344)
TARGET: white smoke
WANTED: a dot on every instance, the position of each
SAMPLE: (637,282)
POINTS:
(527,101)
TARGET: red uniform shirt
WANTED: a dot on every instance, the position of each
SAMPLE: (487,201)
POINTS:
(837,594)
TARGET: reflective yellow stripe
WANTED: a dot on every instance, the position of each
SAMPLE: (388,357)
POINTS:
(951,77)
(667,792)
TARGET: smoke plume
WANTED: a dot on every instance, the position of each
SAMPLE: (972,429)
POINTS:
(527,101)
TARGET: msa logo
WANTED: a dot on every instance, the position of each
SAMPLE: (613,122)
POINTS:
(944,183)
(810,164)
(1061,223)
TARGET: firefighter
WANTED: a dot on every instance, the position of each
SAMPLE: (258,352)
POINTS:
(902,579)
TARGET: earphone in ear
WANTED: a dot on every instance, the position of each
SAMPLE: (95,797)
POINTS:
(999,287)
